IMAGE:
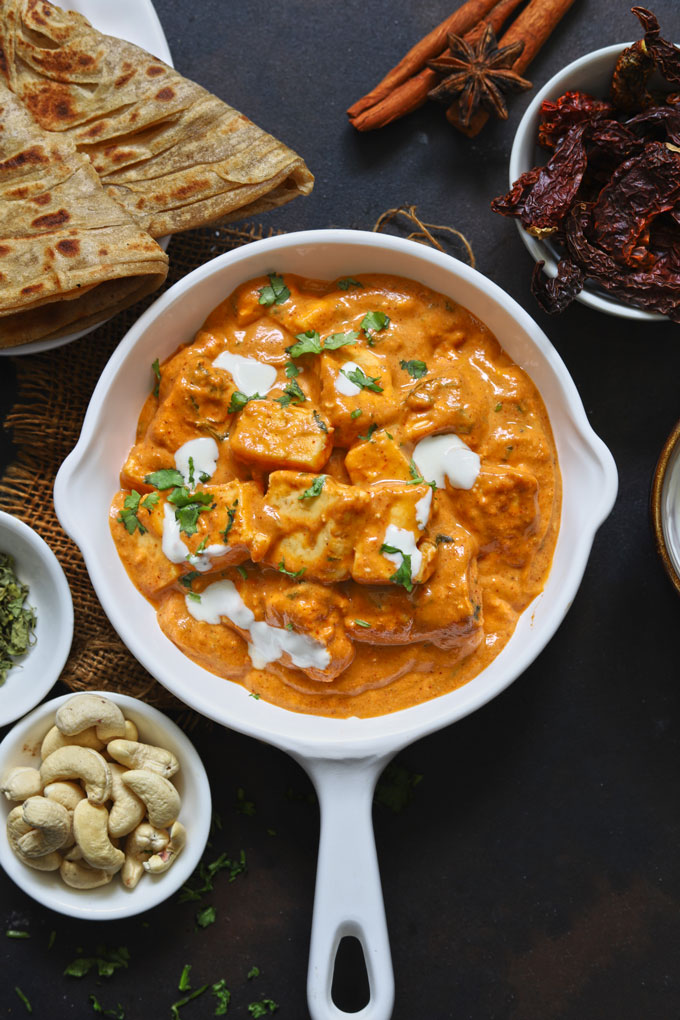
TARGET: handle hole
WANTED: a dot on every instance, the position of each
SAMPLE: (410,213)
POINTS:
(350,990)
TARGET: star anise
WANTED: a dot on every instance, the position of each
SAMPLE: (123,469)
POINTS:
(478,74)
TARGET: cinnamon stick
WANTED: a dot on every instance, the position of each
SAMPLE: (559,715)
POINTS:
(532,27)
(412,93)
(461,21)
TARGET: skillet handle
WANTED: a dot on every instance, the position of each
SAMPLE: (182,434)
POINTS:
(348,898)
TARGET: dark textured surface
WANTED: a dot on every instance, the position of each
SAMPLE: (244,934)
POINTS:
(535,874)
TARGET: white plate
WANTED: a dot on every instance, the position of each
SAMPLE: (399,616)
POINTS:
(137,22)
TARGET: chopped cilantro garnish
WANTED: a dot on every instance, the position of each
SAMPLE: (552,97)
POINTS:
(243,572)
(156,369)
(320,422)
(356,413)
(205,873)
(348,281)
(223,996)
(176,1006)
(314,489)
(231,514)
(295,574)
(336,340)
(106,962)
(15,933)
(243,805)
(194,596)
(369,435)
(201,546)
(416,369)
(443,538)
(372,323)
(292,394)
(362,623)
(239,400)
(131,506)
(498,407)
(275,292)
(291,370)
(191,479)
(262,1008)
(184,983)
(254,695)
(308,342)
(29,1008)
(206,916)
(253,973)
(186,579)
(188,506)
(365,382)
(117,1013)
(166,478)
(289,626)
(402,575)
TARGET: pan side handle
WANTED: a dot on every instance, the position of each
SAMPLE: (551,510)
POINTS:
(348,897)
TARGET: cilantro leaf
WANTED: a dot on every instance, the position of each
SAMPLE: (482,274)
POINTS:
(223,995)
(292,394)
(166,478)
(416,369)
(186,579)
(117,1014)
(206,916)
(184,983)
(275,292)
(262,1008)
(242,571)
(291,370)
(369,435)
(336,340)
(402,575)
(189,505)
(365,382)
(314,489)
(231,514)
(253,973)
(372,323)
(348,281)
(239,400)
(295,574)
(356,413)
(308,342)
(24,999)
(128,515)
(362,623)
(176,1006)
(319,421)
(156,369)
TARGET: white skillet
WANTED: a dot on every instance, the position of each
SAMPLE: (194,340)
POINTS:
(343,757)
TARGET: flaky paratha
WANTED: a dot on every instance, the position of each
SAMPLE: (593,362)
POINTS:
(173,155)
(69,254)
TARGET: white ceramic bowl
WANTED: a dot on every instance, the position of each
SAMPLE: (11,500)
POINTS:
(21,746)
(343,756)
(49,594)
(591,73)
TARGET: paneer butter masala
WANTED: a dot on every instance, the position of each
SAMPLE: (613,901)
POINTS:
(342,495)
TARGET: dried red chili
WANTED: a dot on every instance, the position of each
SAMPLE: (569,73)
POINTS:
(609,196)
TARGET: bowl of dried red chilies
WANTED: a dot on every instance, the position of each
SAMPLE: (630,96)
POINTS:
(602,215)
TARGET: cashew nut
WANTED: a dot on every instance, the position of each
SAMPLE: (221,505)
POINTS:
(16,829)
(66,794)
(144,756)
(73,854)
(85,710)
(21,782)
(161,861)
(127,810)
(50,827)
(142,842)
(91,829)
(131,731)
(79,763)
(80,876)
(54,739)
(160,796)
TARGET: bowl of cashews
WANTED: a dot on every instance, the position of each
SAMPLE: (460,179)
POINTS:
(105,804)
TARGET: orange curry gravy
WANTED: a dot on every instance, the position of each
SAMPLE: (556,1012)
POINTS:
(308,487)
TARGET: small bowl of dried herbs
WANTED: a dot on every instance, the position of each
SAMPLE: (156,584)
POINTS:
(595,181)
(36,618)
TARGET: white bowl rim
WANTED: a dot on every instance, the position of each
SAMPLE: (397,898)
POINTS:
(81,903)
(538,249)
(324,738)
(44,681)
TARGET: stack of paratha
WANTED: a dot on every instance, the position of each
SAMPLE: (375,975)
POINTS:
(103,148)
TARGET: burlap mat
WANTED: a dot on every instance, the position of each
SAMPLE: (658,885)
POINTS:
(54,390)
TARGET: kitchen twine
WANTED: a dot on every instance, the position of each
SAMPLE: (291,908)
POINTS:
(54,390)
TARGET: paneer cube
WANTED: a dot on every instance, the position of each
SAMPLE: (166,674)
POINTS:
(502,509)
(314,611)
(234,528)
(314,533)
(393,519)
(141,552)
(377,459)
(340,397)
(273,437)
(448,606)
